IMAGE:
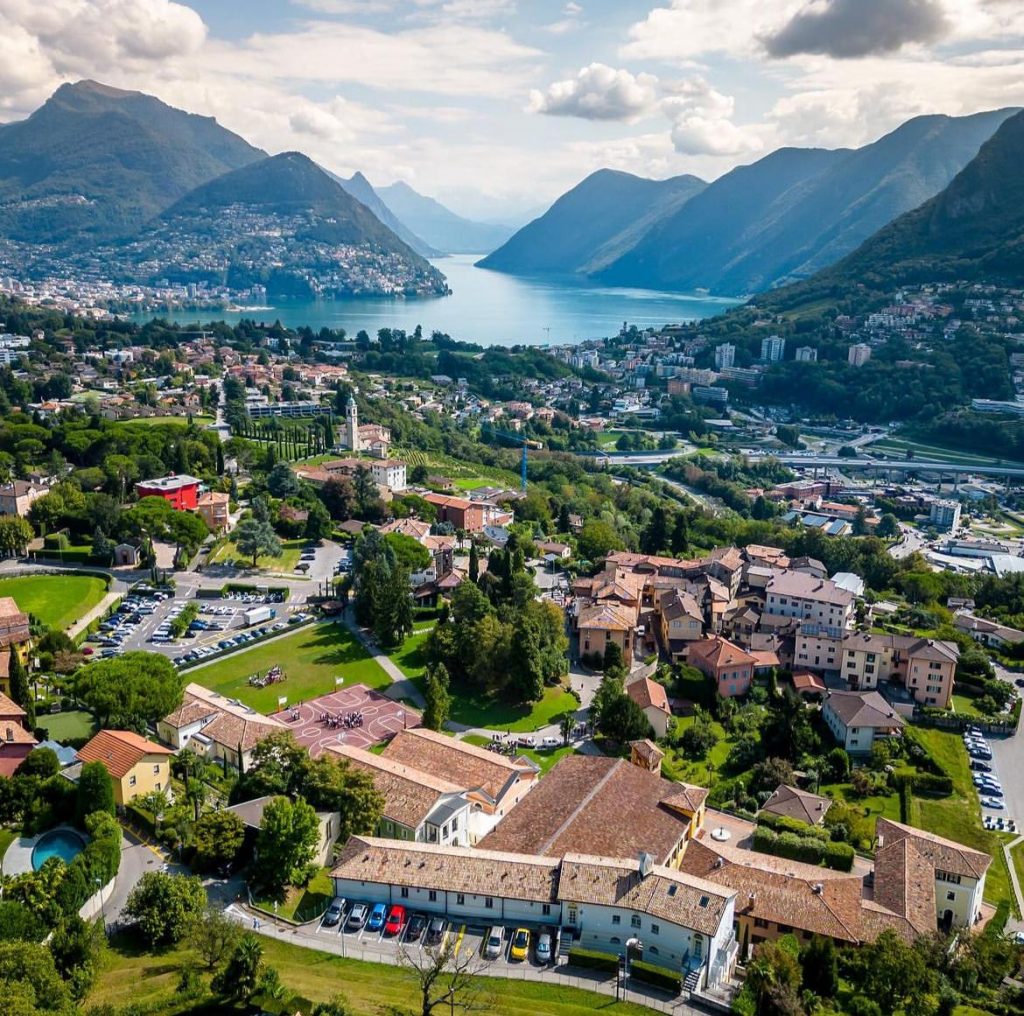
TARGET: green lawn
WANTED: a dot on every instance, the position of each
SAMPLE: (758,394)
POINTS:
(493,714)
(159,421)
(699,772)
(410,659)
(302,905)
(311,657)
(370,989)
(7,837)
(57,600)
(958,817)
(964,705)
(874,806)
(545,759)
(64,726)
(227,553)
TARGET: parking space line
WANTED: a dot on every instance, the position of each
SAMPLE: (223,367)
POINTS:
(458,940)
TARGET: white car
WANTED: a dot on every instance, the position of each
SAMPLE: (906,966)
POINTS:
(551,742)
(995,803)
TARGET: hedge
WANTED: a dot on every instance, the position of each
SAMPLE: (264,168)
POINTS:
(808,849)
(95,866)
(660,977)
(783,823)
(594,960)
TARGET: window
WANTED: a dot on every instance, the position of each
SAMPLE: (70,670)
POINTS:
(703,901)
(672,890)
(634,921)
(460,899)
(404,892)
(545,909)
(655,929)
(432,896)
(950,896)
(616,919)
(760,922)
(784,929)
(489,902)
(131,781)
(156,769)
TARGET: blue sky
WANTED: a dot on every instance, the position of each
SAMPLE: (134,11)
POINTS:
(497,106)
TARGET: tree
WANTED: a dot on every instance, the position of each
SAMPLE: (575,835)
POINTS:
(279,765)
(447,977)
(164,906)
(598,539)
(438,701)
(613,662)
(680,535)
(212,936)
(77,948)
(330,783)
(820,967)
(888,527)
(766,776)
(31,983)
(21,692)
(474,563)
(102,546)
(254,538)
(286,844)
(217,838)
(241,977)
(130,691)
(282,481)
(409,553)
(654,538)
(318,523)
(623,720)
(335,1007)
(338,497)
(95,792)
(699,738)
(15,533)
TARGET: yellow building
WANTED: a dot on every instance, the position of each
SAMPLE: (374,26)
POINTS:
(136,766)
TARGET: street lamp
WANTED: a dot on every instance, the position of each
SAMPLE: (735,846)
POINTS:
(638,946)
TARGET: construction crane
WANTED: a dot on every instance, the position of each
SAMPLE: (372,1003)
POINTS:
(519,441)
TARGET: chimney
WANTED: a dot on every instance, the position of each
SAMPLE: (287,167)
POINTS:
(818,888)
(646,864)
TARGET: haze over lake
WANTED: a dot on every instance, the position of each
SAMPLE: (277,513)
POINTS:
(491,308)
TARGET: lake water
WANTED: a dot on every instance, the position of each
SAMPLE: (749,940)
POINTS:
(493,309)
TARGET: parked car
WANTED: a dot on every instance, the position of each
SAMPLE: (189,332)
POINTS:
(357,917)
(334,912)
(980,767)
(415,929)
(996,803)
(435,931)
(376,919)
(543,948)
(551,742)
(396,918)
(492,944)
(520,945)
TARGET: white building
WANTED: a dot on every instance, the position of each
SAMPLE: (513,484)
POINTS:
(858,718)
(773,348)
(859,354)
(725,355)
(945,515)
(797,594)
(807,354)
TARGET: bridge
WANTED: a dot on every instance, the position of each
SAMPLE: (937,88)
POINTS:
(951,468)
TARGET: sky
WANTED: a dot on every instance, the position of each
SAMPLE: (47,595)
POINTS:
(497,106)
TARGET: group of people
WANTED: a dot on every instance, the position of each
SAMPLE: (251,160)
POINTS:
(349,720)
(272,676)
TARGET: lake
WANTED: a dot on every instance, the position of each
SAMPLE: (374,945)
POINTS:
(492,308)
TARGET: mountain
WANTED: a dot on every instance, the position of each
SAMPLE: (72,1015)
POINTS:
(798,210)
(362,190)
(440,226)
(282,223)
(974,228)
(97,162)
(593,224)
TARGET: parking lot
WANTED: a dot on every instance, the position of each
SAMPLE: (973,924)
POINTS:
(414,931)
(997,810)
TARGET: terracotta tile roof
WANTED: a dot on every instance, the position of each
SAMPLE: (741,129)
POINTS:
(718,652)
(119,750)
(646,692)
(663,893)
(452,869)
(781,891)
(229,724)
(765,658)
(10,612)
(410,795)
(805,681)
(799,804)
(463,764)
(407,527)
(807,587)
(647,750)
(606,617)
(944,854)
(580,804)
(12,732)
(8,707)
(905,884)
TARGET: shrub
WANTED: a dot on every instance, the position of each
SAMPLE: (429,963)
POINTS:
(809,849)
(660,977)
(594,960)
(783,823)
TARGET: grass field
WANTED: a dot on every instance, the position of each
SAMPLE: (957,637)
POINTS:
(875,806)
(369,989)
(964,706)
(62,726)
(312,657)
(699,772)
(159,421)
(493,714)
(306,904)
(7,837)
(545,759)
(57,600)
(286,561)
(892,446)
(958,817)
(410,659)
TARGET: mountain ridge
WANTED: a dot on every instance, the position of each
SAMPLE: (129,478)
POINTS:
(366,194)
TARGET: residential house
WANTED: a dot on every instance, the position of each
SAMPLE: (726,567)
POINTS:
(857,719)
(418,806)
(136,765)
(14,631)
(16,740)
(602,623)
(213,508)
(652,698)
(792,802)
(799,595)
(179,491)
(988,633)
(218,728)
(681,620)
(729,667)
(18,496)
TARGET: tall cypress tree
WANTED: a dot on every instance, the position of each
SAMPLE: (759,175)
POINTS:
(21,693)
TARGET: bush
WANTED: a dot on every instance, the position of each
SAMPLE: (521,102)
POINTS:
(660,977)
(810,850)
(591,959)
(783,823)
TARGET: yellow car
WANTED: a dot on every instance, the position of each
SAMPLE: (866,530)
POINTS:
(520,945)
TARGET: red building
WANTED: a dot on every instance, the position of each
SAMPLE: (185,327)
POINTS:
(180,491)
(469,516)
(15,741)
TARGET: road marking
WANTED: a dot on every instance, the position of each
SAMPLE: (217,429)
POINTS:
(458,941)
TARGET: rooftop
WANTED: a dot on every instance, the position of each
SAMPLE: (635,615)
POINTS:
(119,750)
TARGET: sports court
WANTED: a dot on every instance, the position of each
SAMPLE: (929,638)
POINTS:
(381,718)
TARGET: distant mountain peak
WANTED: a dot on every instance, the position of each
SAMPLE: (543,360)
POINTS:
(87,86)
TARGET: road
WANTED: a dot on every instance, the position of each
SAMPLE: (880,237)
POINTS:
(910,541)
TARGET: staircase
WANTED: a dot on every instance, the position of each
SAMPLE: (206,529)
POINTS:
(691,980)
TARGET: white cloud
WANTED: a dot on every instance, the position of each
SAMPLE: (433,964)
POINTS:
(598,92)
(702,121)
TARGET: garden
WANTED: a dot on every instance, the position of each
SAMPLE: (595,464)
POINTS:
(56,601)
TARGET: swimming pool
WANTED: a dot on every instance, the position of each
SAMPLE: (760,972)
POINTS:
(63,843)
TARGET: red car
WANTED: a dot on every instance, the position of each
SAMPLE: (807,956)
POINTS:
(395,921)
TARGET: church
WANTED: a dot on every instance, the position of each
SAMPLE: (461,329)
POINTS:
(368,437)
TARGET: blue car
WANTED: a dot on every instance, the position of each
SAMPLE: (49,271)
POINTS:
(376,919)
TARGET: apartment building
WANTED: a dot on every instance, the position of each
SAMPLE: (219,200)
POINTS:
(808,598)
(729,667)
